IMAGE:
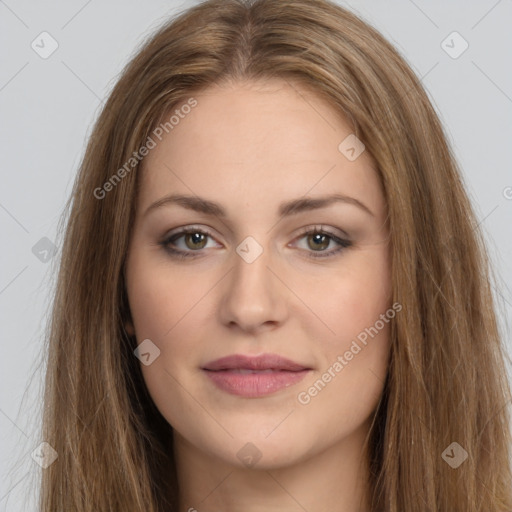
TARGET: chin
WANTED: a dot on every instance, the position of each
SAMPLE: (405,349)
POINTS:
(258,451)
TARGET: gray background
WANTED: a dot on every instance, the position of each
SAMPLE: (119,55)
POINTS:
(48,106)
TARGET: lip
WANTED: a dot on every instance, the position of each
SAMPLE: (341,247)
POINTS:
(254,376)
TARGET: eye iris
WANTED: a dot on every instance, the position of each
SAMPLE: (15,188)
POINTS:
(318,237)
(197,238)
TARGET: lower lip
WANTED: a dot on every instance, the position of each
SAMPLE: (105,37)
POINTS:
(257,384)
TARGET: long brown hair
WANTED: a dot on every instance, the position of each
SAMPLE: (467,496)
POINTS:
(447,379)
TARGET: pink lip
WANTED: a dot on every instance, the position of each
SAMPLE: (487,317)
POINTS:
(254,376)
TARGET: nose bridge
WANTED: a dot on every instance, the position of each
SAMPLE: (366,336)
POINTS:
(251,296)
(251,275)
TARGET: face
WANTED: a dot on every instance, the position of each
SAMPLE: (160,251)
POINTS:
(258,274)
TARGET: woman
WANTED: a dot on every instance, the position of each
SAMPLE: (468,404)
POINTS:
(272,292)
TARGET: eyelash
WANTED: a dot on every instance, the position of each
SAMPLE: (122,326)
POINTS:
(343,243)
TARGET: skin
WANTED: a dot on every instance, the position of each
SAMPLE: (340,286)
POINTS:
(249,146)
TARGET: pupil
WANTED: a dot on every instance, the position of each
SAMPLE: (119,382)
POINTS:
(318,238)
(196,238)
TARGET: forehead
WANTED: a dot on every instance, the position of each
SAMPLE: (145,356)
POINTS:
(253,141)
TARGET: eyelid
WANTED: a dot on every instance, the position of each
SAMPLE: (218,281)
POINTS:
(322,229)
(191,228)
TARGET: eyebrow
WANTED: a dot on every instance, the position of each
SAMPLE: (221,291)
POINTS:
(286,209)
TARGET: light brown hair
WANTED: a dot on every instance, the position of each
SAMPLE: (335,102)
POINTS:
(447,377)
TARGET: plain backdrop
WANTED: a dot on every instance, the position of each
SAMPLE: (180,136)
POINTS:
(48,106)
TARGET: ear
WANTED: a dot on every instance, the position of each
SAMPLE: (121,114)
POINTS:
(130,329)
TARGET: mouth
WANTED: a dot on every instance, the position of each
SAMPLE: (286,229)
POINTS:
(252,377)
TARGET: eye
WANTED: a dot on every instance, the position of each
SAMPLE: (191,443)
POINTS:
(319,239)
(195,239)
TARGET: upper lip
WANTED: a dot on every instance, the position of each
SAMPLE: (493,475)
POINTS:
(261,362)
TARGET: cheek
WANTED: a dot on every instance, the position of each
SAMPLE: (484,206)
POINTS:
(159,299)
(355,353)
(361,321)
(163,305)
(352,297)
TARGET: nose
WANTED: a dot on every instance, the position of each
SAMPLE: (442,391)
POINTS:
(253,297)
